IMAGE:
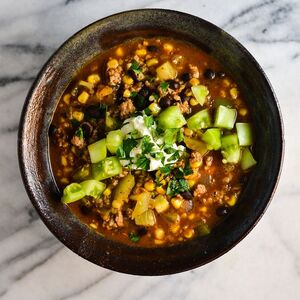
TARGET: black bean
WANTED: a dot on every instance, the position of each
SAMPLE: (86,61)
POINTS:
(152,48)
(95,111)
(209,74)
(87,129)
(119,95)
(141,231)
(165,102)
(187,195)
(52,130)
(185,77)
(173,84)
(145,92)
(222,211)
(221,75)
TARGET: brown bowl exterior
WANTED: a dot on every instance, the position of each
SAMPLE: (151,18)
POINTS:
(51,82)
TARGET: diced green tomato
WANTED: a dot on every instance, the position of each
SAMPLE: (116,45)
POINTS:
(161,204)
(123,190)
(202,229)
(199,120)
(110,122)
(142,204)
(244,132)
(231,150)
(222,101)
(114,140)
(166,71)
(225,117)
(146,219)
(200,92)
(106,168)
(83,173)
(196,145)
(171,117)
(97,151)
(93,188)
(212,137)
(72,192)
(247,160)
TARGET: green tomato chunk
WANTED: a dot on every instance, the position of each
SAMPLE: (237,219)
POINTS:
(106,168)
(93,188)
(171,117)
(200,92)
(212,137)
(72,192)
(113,140)
(199,120)
(247,160)
(225,117)
(97,151)
(244,132)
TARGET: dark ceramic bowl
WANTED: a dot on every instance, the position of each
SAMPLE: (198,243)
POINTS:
(54,78)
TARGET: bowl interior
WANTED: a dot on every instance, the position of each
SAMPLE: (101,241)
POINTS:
(54,78)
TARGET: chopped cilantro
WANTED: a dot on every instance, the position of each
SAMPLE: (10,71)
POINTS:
(124,150)
(133,94)
(134,237)
(177,186)
(79,133)
(174,156)
(155,96)
(149,121)
(120,152)
(164,86)
(147,145)
(165,170)
(143,163)
(147,111)
(187,170)
(135,66)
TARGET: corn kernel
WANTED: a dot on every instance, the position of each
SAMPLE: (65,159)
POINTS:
(176,202)
(112,63)
(243,112)
(94,225)
(126,94)
(67,98)
(168,47)
(189,93)
(149,186)
(78,115)
(141,52)
(107,192)
(158,242)
(127,80)
(159,233)
(83,97)
(194,81)
(152,62)
(196,164)
(194,102)
(174,228)
(226,83)
(233,93)
(107,90)
(188,233)
(64,180)
(188,131)
(192,216)
(119,51)
(93,78)
(64,161)
(183,216)
(191,182)
(160,190)
(232,200)
(203,209)
(155,108)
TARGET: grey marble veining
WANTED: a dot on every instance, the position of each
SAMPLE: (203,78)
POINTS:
(34,265)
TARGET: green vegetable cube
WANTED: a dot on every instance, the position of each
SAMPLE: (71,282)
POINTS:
(230,149)
(113,140)
(247,160)
(72,192)
(93,188)
(212,137)
(97,151)
(171,117)
(200,92)
(245,134)
(199,120)
(225,117)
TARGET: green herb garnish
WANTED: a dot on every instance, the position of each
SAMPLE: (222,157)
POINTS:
(134,237)
(164,86)
(79,133)
(143,163)
(149,121)
(147,145)
(165,170)
(135,66)
(177,186)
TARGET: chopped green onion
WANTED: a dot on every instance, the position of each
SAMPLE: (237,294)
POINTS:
(200,92)
(245,135)
(225,117)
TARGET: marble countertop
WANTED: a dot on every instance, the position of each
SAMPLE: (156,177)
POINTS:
(35,265)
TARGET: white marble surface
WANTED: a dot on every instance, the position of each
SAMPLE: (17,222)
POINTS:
(34,265)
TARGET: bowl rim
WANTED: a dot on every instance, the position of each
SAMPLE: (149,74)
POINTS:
(25,173)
